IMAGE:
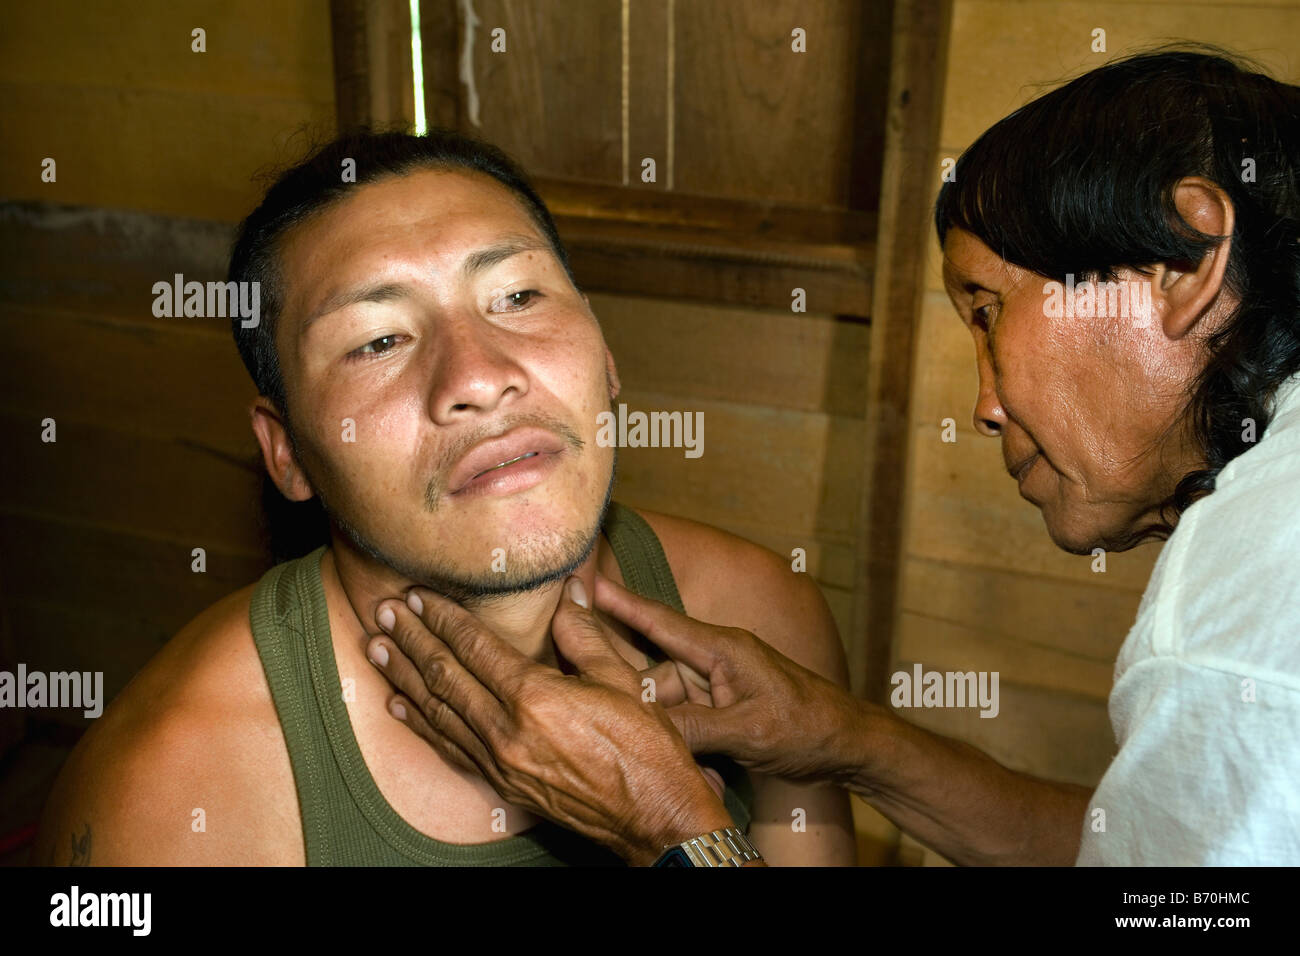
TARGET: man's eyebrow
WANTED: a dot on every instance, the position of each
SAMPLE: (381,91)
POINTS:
(374,292)
(498,252)
(473,264)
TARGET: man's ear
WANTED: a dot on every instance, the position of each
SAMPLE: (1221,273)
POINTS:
(277,451)
(611,373)
(1181,293)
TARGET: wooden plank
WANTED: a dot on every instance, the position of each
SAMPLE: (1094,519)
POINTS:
(1077,618)
(254,49)
(759,467)
(1043,732)
(670,264)
(649,89)
(752,221)
(106,261)
(151,150)
(133,117)
(918,63)
(553,99)
(947,381)
(1046,44)
(748,105)
(54,560)
(440,52)
(373,82)
(944,646)
(812,363)
(165,487)
(174,383)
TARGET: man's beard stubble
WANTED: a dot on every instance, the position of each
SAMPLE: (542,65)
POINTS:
(531,564)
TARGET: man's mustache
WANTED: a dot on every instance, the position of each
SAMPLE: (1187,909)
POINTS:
(461,446)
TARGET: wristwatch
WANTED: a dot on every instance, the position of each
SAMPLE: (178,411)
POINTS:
(728,847)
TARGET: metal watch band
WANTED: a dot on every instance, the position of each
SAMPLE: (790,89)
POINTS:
(729,847)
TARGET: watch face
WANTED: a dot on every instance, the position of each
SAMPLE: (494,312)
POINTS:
(675,857)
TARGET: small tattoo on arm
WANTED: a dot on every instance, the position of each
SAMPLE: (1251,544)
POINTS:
(81,848)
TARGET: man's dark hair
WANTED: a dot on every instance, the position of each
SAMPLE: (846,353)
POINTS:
(1081,180)
(316,183)
(294,529)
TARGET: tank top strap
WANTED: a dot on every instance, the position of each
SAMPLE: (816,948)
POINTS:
(640,556)
(279,631)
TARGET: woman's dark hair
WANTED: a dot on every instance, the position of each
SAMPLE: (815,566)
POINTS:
(293,529)
(1081,180)
(318,182)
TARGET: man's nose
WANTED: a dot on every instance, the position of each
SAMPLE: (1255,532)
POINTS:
(474,373)
(990,416)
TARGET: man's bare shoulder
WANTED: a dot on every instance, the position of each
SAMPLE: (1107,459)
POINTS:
(188,765)
(726,579)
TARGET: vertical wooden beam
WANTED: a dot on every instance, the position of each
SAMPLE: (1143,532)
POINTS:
(918,67)
(373,82)
(440,35)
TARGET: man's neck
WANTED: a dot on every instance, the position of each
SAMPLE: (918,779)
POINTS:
(523,619)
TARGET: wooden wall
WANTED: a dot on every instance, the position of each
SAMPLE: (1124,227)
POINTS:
(982,586)
(156,149)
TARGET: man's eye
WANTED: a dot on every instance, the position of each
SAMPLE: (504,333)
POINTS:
(377,347)
(514,301)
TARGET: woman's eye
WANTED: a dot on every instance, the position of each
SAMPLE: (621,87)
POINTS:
(377,347)
(982,316)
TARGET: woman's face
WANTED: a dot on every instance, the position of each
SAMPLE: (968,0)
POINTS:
(1088,406)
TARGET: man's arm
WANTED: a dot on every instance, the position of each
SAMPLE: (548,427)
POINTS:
(180,793)
(187,766)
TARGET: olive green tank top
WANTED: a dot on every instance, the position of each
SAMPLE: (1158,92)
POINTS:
(345,819)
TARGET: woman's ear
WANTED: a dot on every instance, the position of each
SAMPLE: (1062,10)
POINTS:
(277,450)
(1182,293)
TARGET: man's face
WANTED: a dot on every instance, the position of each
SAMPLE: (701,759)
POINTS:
(430,313)
(1088,408)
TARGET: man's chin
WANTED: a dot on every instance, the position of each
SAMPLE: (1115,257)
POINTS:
(482,572)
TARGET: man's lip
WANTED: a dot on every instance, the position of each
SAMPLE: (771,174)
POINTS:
(1018,471)
(487,454)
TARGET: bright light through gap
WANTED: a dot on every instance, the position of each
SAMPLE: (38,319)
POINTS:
(417,68)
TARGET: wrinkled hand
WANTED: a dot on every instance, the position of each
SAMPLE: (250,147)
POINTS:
(583,749)
(763,710)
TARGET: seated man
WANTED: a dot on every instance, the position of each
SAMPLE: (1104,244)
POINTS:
(427,370)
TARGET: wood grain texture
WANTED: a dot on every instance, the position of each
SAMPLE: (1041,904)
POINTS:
(919,47)
(797,139)
(804,362)
(1049,43)
(135,119)
(1042,731)
(1073,617)
(373,80)
(553,99)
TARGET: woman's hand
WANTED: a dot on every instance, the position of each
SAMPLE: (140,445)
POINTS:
(763,710)
(590,751)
